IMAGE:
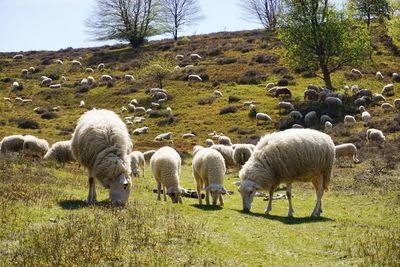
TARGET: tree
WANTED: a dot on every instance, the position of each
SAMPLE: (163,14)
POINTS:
(394,23)
(316,36)
(179,13)
(369,9)
(157,70)
(263,11)
(126,20)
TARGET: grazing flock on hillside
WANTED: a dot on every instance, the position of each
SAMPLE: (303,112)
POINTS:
(101,143)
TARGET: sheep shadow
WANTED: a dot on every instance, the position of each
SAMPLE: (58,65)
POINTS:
(75,204)
(207,207)
(289,220)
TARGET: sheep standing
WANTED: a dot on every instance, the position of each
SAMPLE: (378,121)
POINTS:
(209,142)
(60,152)
(208,169)
(196,149)
(366,117)
(164,136)
(241,153)
(379,76)
(291,155)
(224,140)
(387,89)
(101,144)
(34,146)
(346,150)
(227,154)
(386,107)
(148,154)
(166,167)
(194,78)
(325,118)
(375,135)
(137,160)
(12,143)
(310,118)
(328,126)
(263,117)
(349,121)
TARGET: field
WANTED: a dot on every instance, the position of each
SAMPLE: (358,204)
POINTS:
(45,221)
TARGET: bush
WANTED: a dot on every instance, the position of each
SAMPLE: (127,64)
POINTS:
(252,77)
(27,124)
(214,52)
(228,109)
(126,91)
(206,101)
(49,115)
(280,70)
(226,60)
(265,59)
(46,61)
(233,98)
(283,82)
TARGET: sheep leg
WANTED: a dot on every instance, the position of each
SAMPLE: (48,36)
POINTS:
(199,186)
(143,171)
(164,193)
(92,191)
(289,196)
(269,207)
(320,191)
(221,201)
(207,197)
(158,191)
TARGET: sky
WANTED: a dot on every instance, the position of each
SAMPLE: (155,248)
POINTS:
(55,24)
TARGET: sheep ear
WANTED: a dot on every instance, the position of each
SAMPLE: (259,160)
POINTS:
(122,180)
(237,183)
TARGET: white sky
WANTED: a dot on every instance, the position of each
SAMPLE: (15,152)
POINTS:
(54,24)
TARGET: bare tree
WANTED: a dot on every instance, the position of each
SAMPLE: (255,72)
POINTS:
(128,20)
(179,13)
(263,11)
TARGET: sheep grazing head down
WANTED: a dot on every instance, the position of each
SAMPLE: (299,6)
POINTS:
(175,193)
(247,190)
(215,190)
(120,189)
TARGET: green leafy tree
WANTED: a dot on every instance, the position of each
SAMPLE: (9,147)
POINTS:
(394,23)
(157,70)
(317,36)
(369,9)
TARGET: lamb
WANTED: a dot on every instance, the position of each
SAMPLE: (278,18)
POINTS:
(310,117)
(164,136)
(139,131)
(59,62)
(224,140)
(217,93)
(82,104)
(311,155)
(375,135)
(188,135)
(194,78)
(195,56)
(379,76)
(137,160)
(12,143)
(148,154)
(349,121)
(101,144)
(346,150)
(333,101)
(34,146)
(388,89)
(209,142)
(196,149)
(166,167)
(285,106)
(129,78)
(365,116)
(296,115)
(227,154)
(241,153)
(208,168)
(106,78)
(397,103)
(263,117)
(60,152)
(325,118)
(101,66)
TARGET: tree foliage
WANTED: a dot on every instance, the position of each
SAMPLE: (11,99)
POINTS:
(317,36)
(124,20)
(179,13)
(157,70)
(370,9)
(265,12)
(394,23)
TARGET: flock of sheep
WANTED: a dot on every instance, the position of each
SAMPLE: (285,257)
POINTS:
(101,143)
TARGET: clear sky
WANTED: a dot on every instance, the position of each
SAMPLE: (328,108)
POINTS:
(54,24)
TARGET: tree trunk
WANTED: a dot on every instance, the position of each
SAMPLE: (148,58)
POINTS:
(136,42)
(176,34)
(327,77)
(368,21)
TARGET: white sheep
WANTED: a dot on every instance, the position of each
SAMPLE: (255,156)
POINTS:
(84,81)
(139,131)
(194,78)
(248,103)
(378,97)
(12,143)
(395,76)
(224,140)
(164,136)
(217,93)
(285,106)
(379,76)
(179,57)
(140,110)
(354,89)
(375,135)
(15,86)
(361,109)
(291,155)
(131,107)
(18,57)
(26,100)
(60,152)
(89,70)
(269,86)
(138,120)
(91,80)
(386,107)
(129,78)
(134,102)
(124,109)
(346,150)
(54,86)
(59,62)
(397,103)
(155,105)
(196,149)
(137,160)
(101,144)
(46,82)
(263,117)
(32,69)
(195,56)
(82,104)
(227,154)
(188,135)
(325,118)
(101,66)
(34,146)
(366,117)
(388,89)
(349,121)
(346,89)
(24,72)
(106,78)
(169,112)
(166,167)
(296,115)
(310,117)
(241,153)
(76,63)
(208,168)
(356,72)
(209,142)
(328,126)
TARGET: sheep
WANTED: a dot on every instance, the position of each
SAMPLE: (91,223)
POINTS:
(248,103)
(106,78)
(166,167)
(386,107)
(59,62)
(179,57)
(310,117)
(90,80)
(82,104)
(76,63)
(325,118)
(297,126)
(354,89)
(60,152)
(131,108)
(349,121)
(224,140)
(208,168)
(15,86)
(195,56)
(89,70)
(46,82)
(346,150)
(188,135)
(138,120)
(241,153)
(375,135)
(27,100)
(346,89)
(271,91)
(356,72)
(209,142)
(196,149)
(57,85)
(156,90)
(148,154)
(379,76)
(129,78)
(333,101)
(282,91)
(362,101)
(316,88)
(24,72)
(364,92)
(164,136)
(365,116)
(227,153)
(137,160)
(395,76)
(291,155)
(311,95)
(378,97)
(12,143)
(32,69)
(139,131)
(263,117)
(101,144)
(269,86)
(388,89)
(7,99)
(18,57)
(285,106)
(34,146)
(397,103)
(140,110)
(84,81)
(361,109)
(134,102)
(296,115)
(328,126)
(101,66)
(217,93)
(155,105)
(194,78)
(159,95)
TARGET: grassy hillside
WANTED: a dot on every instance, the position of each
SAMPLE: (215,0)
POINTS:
(46,222)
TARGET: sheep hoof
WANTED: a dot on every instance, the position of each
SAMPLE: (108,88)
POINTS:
(266,212)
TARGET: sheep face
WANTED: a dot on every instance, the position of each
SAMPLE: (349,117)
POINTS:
(247,190)
(120,189)
(215,190)
(175,194)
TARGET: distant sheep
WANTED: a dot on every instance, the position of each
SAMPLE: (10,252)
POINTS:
(241,153)
(91,80)
(362,101)
(129,78)
(209,142)
(288,156)
(12,143)
(349,121)
(54,86)
(325,118)
(139,131)
(32,69)
(388,89)
(269,86)
(194,78)
(84,81)
(60,152)
(101,144)
(366,117)
(101,66)
(357,73)
(82,104)
(375,135)
(18,57)
(59,62)
(208,169)
(285,106)
(137,160)
(46,82)
(379,76)
(179,57)
(354,89)
(34,146)
(346,150)
(89,70)
(224,140)
(188,135)
(106,78)
(311,95)
(164,136)
(296,115)
(217,93)
(24,72)
(346,89)
(297,126)
(333,101)
(386,107)
(310,117)
(397,103)
(195,57)
(263,117)
(378,98)
(166,167)
(328,126)
(282,91)
(76,63)
(15,86)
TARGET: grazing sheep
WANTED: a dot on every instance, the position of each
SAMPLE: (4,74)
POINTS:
(195,56)
(333,101)
(349,121)
(297,126)
(386,107)
(217,93)
(129,78)
(12,143)
(32,69)
(379,76)
(241,153)
(346,150)
(160,95)
(282,91)
(397,103)
(354,89)
(60,152)
(311,95)
(285,106)
(106,78)
(101,66)
(84,81)
(137,160)
(59,62)
(209,142)
(263,117)
(46,82)
(76,63)
(364,92)
(156,90)
(316,88)
(138,119)
(148,154)
(164,136)
(328,126)
(27,100)
(388,89)
(91,80)
(296,115)
(378,97)
(269,86)
(194,78)
(101,143)
(24,72)
(291,155)
(131,108)
(325,118)
(140,110)
(248,103)
(15,86)
(366,117)
(89,70)
(395,76)
(224,140)
(18,57)
(82,104)
(196,149)
(362,101)
(57,85)
(208,168)
(375,135)
(346,89)
(166,167)
(34,146)
(139,131)
(357,73)
(271,91)
(188,135)
(179,57)
(310,117)
(227,153)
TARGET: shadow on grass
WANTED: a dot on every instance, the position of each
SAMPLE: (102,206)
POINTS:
(207,207)
(289,220)
(74,204)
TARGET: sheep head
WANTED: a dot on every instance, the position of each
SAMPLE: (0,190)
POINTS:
(120,189)
(216,191)
(247,190)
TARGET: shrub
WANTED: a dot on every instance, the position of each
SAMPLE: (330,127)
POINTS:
(228,109)
(280,70)
(233,98)
(27,124)
(46,61)
(206,101)
(283,82)
(252,77)
(49,115)
(265,59)
(214,52)
(226,60)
